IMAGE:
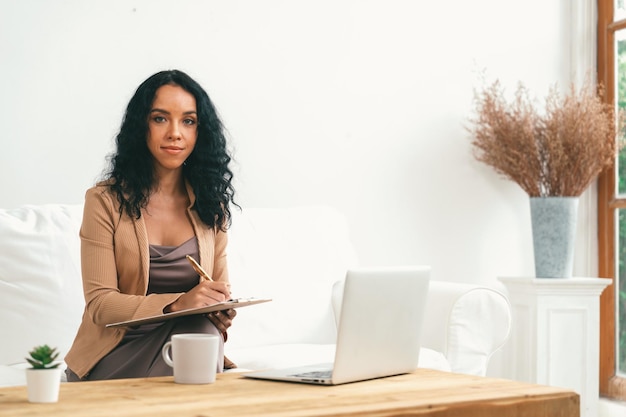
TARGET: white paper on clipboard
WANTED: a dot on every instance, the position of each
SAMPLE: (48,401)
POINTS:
(234,303)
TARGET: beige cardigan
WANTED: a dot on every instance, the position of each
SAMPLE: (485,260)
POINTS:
(115,263)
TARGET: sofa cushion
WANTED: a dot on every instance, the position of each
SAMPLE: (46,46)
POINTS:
(293,256)
(280,355)
(290,355)
(42,298)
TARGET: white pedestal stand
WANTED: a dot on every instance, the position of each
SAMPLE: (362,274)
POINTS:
(556,336)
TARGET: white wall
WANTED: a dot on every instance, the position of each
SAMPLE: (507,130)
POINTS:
(353,103)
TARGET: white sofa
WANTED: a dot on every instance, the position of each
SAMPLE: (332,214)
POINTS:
(292,255)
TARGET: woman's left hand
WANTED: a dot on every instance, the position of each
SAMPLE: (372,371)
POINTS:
(222,319)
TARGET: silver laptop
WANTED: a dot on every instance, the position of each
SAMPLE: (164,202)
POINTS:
(378,332)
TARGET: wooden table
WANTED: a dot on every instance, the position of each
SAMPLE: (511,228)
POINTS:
(424,392)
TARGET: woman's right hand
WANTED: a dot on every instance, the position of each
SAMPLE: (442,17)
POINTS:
(204,294)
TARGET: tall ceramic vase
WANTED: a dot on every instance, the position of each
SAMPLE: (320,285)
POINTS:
(554,222)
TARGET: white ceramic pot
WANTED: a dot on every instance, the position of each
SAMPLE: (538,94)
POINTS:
(43,385)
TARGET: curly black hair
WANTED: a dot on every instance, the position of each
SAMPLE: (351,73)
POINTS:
(131,174)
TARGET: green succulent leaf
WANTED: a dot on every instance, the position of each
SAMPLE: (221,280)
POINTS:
(43,357)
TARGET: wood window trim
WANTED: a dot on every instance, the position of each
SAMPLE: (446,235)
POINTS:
(611,385)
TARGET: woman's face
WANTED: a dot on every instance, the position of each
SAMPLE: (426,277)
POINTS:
(172,127)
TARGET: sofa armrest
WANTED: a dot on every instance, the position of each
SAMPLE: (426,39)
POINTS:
(41,290)
(467,323)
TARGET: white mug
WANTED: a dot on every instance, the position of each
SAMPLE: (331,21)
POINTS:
(194,357)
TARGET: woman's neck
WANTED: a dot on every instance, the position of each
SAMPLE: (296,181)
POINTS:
(171,184)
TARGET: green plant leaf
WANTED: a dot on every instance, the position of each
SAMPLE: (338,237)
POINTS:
(43,357)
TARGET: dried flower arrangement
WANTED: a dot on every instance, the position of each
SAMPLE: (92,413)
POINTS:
(555,153)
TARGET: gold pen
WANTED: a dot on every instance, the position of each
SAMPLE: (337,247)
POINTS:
(198,269)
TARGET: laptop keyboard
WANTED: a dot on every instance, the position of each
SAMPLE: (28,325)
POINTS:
(314,374)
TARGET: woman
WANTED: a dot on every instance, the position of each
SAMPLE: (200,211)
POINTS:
(166,196)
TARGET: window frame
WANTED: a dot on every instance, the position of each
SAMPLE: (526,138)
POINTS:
(611,384)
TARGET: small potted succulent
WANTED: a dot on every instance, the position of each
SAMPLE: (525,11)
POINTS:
(43,379)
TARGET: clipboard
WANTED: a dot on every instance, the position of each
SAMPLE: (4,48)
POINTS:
(234,303)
